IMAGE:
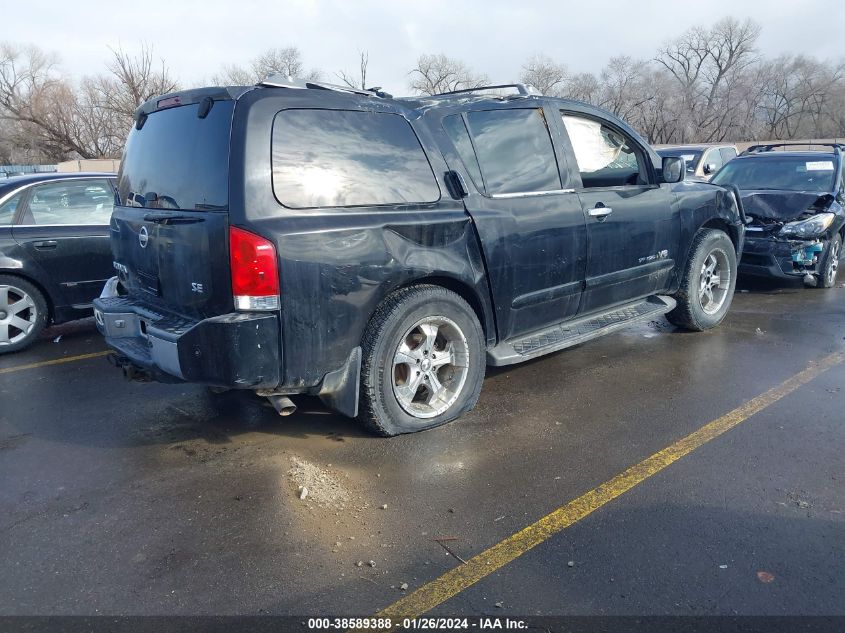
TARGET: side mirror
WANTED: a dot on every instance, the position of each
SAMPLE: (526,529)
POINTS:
(674,169)
(709,168)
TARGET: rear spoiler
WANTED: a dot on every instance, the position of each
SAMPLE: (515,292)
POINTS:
(187,97)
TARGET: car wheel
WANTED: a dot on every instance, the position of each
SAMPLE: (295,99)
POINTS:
(707,286)
(23,313)
(423,361)
(830,264)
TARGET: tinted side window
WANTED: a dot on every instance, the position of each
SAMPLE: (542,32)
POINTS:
(8,208)
(514,150)
(339,158)
(71,202)
(457,131)
(605,156)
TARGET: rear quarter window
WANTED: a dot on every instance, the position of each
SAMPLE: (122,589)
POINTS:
(342,158)
(514,150)
(8,208)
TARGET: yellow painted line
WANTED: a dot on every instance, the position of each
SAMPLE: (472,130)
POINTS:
(460,578)
(56,361)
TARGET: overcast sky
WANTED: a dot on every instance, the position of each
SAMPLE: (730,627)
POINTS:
(196,37)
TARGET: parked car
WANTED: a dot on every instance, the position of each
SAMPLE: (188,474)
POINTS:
(298,238)
(702,160)
(55,253)
(794,200)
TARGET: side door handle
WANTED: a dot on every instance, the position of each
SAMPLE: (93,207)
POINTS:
(599,212)
(45,245)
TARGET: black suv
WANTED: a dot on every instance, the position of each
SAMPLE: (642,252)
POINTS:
(298,238)
(794,200)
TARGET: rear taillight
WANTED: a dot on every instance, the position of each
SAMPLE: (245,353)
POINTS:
(255,271)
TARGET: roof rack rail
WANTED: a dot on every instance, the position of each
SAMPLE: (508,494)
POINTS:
(283,81)
(522,90)
(769,147)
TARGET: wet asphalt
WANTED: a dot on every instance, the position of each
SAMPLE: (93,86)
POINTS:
(127,498)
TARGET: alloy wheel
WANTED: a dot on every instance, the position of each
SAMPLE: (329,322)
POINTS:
(430,367)
(715,281)
(18,315)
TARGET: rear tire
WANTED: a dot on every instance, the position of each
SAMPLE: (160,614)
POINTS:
(423,361)
(829,268)
(708,284)
(23,313)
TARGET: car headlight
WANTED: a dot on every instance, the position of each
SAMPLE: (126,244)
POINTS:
(811,227)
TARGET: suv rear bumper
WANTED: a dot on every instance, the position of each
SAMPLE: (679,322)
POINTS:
(237,350)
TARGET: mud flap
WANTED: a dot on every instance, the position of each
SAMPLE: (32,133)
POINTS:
(339,389)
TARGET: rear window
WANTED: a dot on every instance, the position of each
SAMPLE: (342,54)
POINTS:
(340,158)
(787,173)
(178,160)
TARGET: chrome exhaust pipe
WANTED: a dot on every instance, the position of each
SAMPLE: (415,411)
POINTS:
(283,405)
(130,371)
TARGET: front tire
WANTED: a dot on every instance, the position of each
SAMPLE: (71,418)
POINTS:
(830,264)
(708,284)
(423,361)
(23,313)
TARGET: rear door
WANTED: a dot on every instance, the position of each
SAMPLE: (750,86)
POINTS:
(170,228)
(63,230)
(633,225)
(530,222)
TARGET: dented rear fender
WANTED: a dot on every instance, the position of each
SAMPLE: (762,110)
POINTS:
(332,281)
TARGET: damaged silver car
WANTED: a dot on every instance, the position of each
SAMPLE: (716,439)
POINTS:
(794,202)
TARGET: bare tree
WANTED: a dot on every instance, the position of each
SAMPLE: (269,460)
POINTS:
(38,101)
(132,80)
(285,61)
(625,88)
(545,75)
(583,87)
(234,75)
(658,119)
(707,63)
(57,118)
(282,61)
(358,80)
(435,74)
(801,97)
